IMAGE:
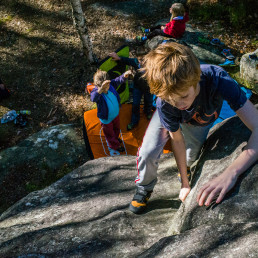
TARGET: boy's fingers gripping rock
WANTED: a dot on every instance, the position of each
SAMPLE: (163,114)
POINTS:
(203,193)
(183,193)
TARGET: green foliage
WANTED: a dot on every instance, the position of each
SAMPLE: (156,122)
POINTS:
(207,12)
(30,187)
(237,13)
(5,19)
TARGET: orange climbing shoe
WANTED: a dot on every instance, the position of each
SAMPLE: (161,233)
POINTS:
(139,202)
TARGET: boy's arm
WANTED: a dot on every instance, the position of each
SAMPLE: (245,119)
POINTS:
(221,184)
(130,61)
(125,60)
(120,79)
(178,147)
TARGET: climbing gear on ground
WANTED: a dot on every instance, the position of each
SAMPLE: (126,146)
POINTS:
(228,63)
(227,54)
(9,116)
(216,42)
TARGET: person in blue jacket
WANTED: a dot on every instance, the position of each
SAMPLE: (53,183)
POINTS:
(108,102)
(140,88)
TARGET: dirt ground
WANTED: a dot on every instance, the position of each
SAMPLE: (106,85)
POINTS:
(43,65)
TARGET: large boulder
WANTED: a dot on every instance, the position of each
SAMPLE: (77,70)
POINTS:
(51,148)
(249,69)
(40,157)
(219,240)
(85,214)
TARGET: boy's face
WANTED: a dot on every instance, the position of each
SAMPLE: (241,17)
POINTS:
(184,100)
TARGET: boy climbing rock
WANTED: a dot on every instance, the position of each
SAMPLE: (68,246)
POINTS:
(190,98)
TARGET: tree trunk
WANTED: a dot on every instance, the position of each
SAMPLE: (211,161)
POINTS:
(80,24)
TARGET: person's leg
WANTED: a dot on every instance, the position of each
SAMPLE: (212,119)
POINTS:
(156,32)
(116,126)
(148,98)
(149,153)
(194,137)
(157,27)
(137,95)
(147,163)
(108,131)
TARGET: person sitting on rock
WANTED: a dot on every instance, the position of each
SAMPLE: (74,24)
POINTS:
(190,98)
(108,101)
(140,88)
(174,29)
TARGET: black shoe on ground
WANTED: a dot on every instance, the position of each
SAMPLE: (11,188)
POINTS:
(120,149)
(139,202)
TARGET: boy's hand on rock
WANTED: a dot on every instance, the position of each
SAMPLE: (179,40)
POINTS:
(127,73)
(114,56)
(184,192)
(216,188)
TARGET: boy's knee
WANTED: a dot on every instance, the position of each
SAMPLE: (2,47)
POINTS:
(148,154)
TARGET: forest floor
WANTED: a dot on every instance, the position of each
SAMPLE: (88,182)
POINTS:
(43,66)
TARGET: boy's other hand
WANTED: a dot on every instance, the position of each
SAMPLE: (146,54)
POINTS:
(127,73)
(114,56)
(183,193)
(104,87)
(163,27)
(216,188)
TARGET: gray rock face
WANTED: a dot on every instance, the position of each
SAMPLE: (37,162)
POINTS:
(219,240)
(38,161)
(249,70)
(85,214)
(50,148)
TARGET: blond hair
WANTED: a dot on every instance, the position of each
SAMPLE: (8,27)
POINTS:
(99,77)
(177,10)
(171,68)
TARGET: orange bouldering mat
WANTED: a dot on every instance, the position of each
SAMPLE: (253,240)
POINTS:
(96,143)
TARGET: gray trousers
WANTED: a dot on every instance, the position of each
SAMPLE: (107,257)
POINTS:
(153,143)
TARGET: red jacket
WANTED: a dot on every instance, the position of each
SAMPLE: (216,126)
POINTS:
(176,28)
